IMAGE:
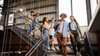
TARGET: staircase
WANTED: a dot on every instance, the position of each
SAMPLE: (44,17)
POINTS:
(58,53)
(36,44)
(23,35)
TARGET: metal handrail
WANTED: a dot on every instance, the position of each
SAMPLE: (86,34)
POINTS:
(88,44)
(20,34)
(34,48)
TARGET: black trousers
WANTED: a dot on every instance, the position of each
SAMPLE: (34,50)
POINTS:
(74,41)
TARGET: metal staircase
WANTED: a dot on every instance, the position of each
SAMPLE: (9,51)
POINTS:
(58,53)
(23,35)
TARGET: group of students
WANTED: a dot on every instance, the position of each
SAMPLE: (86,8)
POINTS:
(57,33)
(61,32)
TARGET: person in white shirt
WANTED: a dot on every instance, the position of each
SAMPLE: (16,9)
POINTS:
(75,33)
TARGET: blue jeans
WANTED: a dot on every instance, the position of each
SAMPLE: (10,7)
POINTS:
(45,38)
(30,28)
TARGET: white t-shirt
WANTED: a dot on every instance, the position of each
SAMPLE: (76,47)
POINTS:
(73,26)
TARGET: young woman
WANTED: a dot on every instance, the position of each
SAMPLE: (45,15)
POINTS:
(75,34)
(45,32)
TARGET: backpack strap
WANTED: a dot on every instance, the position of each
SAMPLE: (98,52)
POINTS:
(69,26)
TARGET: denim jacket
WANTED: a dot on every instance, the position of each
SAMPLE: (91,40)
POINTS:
(65,30)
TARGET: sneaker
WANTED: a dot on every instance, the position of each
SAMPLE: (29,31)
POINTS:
(48,48)
(57,48)
(53,49)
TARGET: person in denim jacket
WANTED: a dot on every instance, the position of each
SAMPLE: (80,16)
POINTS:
(34,23)
(62,33)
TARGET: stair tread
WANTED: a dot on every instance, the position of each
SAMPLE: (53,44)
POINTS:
(55,53)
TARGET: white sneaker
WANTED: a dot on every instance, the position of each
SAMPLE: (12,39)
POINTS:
(53,49)
(48,48)
(31,33)
(57,48)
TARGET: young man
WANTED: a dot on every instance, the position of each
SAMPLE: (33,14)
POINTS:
(62,33)
(34,24)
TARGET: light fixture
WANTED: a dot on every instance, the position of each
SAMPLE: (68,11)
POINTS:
(21,9)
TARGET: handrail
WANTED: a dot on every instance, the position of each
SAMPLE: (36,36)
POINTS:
(33,49)
(20,34)
(87,42)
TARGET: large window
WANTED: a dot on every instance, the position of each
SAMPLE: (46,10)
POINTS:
(1,5)
(1,2)
(79,11)
(65,7)
(93,6)
(78,7)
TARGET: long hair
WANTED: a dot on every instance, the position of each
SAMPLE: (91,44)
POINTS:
(77,25)
(44,19)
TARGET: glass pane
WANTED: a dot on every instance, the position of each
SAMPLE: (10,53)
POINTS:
(93,6)
(79,11)
(1,2)
(65,7)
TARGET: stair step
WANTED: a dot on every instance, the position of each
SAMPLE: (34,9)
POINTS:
(60,55)
(56,53)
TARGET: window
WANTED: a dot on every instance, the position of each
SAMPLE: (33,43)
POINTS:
(78,7)
(93,6)
(1,2)
(65,7)
(79,11)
